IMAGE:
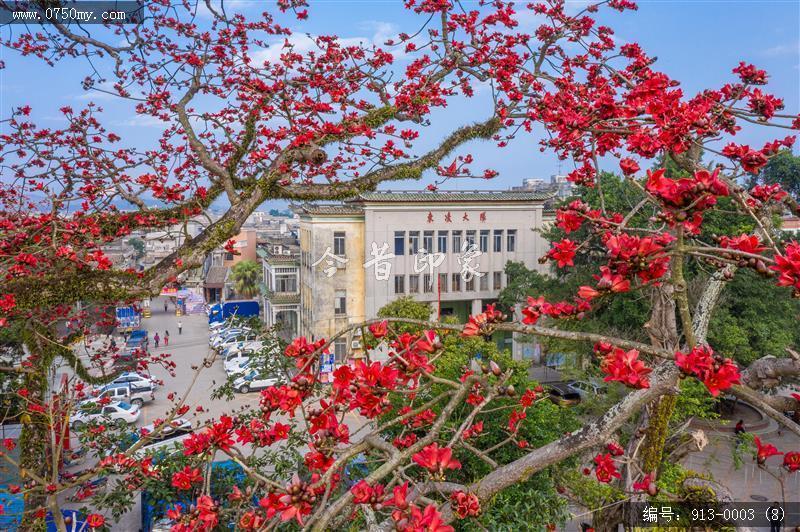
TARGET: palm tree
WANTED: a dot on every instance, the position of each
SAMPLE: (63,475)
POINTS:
(246,277)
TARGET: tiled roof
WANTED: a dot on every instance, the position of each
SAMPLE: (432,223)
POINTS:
(283,299)
(216,276)
(398,196)
(330,210)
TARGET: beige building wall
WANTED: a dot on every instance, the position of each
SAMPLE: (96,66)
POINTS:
(318,293)
(384,220)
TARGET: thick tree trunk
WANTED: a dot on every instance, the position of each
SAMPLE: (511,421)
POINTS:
(33,452)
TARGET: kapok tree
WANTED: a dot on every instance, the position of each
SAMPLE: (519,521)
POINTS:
(339,119)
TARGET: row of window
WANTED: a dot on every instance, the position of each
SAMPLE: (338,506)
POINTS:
(456,239)
(457,283)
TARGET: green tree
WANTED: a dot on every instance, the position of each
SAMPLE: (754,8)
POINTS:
(138,246)
(406,307)
(784,169)
(246,277)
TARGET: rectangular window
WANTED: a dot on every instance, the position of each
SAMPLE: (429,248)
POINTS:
(497,280)
(229,256)
(456,241)
(442,241)
(340,303)
(470,285)
(456,282)
(413,284)
(413,242)
(484,240)
(484,282)
(427,283)
(443,282)
(470,238)
(399,243)
(427,241)
(285,283)
(340,349)
(511,240)
(498,240)
(338,244)
(399,284)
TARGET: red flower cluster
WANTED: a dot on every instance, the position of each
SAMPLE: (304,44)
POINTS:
(187,476)
(764,450)
(763,193)
(746,243)
(750,74)
(563,253)
(218,435)
(604,468)
(788,267)
(791,461)
(646,484)
(465,504)
(571,217)
(751,160)
(482,323)
(641,256)
(608,282)
(363,493)
(538,307)
(436,460)
(623,366)
(685,199)
(715,372)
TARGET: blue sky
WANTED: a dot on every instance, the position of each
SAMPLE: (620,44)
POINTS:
(697,42)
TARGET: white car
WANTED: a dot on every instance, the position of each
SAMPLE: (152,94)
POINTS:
(225,336)
(135,380)
(118,412)
(235,359)
(252,382)
(239,340)
(178,430)
(238,368)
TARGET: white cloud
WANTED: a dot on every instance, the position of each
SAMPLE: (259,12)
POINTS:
(783,49)
(379,32)
(140,121)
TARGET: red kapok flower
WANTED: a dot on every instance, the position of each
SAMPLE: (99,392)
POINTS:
(646,484)
(466,504)
(95,520)
(436,459)
(764,450)
(625,367)
(379,329)
(563,253)
(604,468)
(791,461)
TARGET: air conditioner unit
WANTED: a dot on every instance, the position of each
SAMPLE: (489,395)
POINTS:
(355,344)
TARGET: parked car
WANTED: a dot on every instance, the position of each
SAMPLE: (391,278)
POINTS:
(587,389)
(235,359)
(237,340)
(125,392)
(175,432)
(137,380)
(226,335)
(238,368)
(119,412)
(564,395)
(252,382)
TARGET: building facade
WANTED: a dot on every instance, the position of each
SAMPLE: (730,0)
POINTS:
(331,271)
(280,261)
(448,249)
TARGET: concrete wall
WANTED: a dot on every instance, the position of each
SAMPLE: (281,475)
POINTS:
(317,317)
(382,220)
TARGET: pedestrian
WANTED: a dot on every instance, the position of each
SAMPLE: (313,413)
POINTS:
(180,326)
(739,429)
(165,306)
(775,516)
(156,339)
(166,338)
